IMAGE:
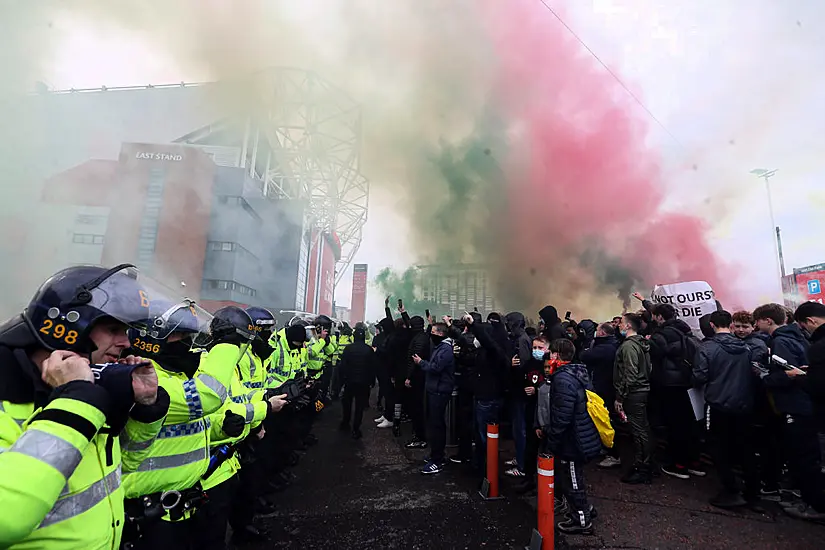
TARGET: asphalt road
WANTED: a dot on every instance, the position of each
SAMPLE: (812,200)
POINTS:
(368,494)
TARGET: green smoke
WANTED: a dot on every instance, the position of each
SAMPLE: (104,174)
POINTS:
(404,285)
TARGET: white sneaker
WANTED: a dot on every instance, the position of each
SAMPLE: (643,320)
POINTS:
(385,424)
(610,462)
(380,419)
(511,462)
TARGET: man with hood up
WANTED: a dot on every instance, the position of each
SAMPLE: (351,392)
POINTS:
(420,346)
(631,379)
(521,349)
(552,324)
(382,343)
(724,368)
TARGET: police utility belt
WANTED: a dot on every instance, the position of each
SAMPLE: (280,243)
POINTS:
(152,507)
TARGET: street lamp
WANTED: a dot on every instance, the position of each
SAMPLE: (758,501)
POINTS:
(767,175)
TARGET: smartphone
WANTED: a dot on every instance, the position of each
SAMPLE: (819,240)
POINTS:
(567,315)
(400,304)
(427,312)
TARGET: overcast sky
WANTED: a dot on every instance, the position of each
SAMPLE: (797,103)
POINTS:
(738,83)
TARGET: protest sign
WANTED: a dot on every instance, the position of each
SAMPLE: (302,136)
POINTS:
(691,299)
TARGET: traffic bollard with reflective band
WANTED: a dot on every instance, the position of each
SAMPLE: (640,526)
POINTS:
(489,487)
(544,537)
(451,416)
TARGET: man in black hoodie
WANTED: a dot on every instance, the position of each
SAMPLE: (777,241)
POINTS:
(671,379)
(786,387)
(521,350)
(420,346)
(723,367)
(489,379)
(552,324)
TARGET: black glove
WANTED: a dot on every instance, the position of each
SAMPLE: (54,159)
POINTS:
(233,424)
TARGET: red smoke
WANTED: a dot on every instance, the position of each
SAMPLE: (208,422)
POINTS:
(579,169)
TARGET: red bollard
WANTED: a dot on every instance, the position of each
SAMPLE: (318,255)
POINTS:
(544,537)
(489,487)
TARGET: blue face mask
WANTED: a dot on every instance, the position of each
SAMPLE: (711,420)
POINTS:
(623,332)
(538,354)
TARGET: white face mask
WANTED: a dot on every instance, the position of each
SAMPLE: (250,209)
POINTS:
(476,343)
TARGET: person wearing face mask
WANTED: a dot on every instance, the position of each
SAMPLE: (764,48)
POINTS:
(285,366)
(520,346)
(631,379)
(532,382)
(439,383)
(176,341)
(60,454)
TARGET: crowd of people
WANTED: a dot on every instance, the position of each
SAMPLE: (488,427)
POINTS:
(131,418)
(746,396)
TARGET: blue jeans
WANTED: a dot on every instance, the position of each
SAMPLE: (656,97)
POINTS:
(517,415)
(486,412)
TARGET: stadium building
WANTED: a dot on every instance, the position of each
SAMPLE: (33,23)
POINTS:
(456,288)
(239,205)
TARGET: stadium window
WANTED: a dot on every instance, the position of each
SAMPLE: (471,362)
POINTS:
(226,247)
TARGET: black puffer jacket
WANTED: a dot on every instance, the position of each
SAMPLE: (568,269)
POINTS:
(600,360)
(571,434)
(789,395)
(724,368)
(666,353)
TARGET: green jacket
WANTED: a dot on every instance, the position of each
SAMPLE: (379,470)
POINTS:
(631,370)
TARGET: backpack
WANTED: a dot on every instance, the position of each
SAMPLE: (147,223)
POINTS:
(601,418)
(690,350)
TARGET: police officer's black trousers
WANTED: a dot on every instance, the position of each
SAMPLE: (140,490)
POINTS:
(168,535)
(250,477)
(212,518)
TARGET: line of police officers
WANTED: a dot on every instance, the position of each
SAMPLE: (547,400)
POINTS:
(130,419)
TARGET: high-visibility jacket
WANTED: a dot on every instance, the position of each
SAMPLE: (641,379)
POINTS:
(253,377)
(319,353)
(179,455)
(285,363)
(341,344)
(253,413)
(60,470)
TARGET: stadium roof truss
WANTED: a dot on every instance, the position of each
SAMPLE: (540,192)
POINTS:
(302,141)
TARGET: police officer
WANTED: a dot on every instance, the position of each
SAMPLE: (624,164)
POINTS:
(230,425)
(285,365)
(163,477)
(341,341)
(320,353)
(60,462)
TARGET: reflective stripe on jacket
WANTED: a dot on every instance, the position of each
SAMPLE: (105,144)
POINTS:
(57,488)
(179,455)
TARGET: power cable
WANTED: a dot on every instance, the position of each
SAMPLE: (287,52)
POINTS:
(610,71)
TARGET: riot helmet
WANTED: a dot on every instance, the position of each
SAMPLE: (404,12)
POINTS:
(263,321)
(232,325)
(68,306)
